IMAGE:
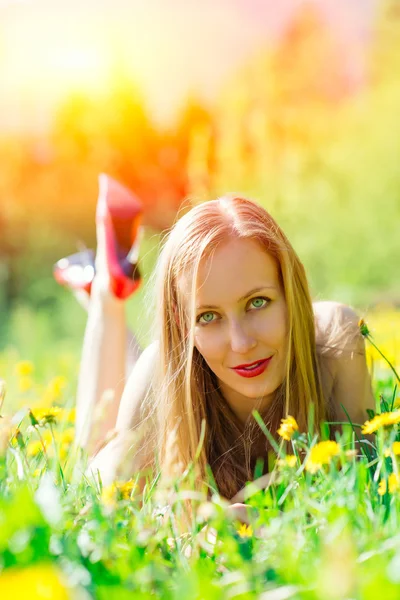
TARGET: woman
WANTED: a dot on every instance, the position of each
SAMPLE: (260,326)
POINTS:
(235,331)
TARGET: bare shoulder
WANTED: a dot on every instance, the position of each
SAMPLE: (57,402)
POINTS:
(341,353)
(336,329)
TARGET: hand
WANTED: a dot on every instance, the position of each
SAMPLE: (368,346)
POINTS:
(242,512)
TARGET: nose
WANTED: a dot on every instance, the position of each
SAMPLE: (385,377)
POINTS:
(241,339)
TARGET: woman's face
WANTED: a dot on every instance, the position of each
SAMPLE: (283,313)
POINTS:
(241,319)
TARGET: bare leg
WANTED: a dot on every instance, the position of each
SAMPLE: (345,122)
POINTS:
(108,351)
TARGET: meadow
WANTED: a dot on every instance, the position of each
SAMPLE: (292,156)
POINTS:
(309,128)
(326,525)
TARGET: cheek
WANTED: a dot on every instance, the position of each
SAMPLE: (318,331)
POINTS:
(209,341)
(272,327)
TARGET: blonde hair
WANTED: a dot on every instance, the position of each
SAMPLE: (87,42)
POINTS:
(187,391)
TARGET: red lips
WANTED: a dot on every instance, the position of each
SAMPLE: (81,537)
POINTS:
(250,364)
(260,367)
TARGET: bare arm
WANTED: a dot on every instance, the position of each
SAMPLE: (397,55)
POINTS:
(102,368)
(125,453)
(133,408)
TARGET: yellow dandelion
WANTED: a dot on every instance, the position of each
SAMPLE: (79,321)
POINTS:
(67,415)
(38,582)
(321,454)
(383,420)
(63,452)
(393,450)
(54,390)
(47,437)
(67,436)
(24,368)
(34,448)
(363,327)
(287,428)
(17,439)
(290,460)
(25,384)
(382,487)
(109,495)
(125,489)
(245,531)
(118,490)
(65,439)
(71,415)
(46,415)
(394,482)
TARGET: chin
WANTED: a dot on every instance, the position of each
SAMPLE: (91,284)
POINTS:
(255,394)
(254,390)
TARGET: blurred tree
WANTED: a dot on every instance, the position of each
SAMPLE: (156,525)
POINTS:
(310,128)
(48,185)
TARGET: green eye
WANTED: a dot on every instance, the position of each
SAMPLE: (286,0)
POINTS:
(258,302)
(207,317)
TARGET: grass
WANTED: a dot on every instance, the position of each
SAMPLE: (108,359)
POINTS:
(327,526)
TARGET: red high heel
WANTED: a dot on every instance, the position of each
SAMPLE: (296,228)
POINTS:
(120,212)
(76,271)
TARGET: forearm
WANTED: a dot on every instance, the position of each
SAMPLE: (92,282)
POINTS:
(102,368)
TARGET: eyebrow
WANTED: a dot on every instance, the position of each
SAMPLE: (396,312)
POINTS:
(254,291)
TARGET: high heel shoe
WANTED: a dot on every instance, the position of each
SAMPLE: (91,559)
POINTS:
(76,271)
(120,212)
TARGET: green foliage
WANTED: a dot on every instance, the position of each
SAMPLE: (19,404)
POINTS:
(326,525)
(318,147)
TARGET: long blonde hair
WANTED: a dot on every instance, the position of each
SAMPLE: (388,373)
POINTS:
(187,391)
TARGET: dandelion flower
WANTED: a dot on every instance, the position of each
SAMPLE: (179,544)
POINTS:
(393,450)
(321,454)
(34,448)
(382,420)
(109,495)
(290,460)
(117,490)
(245,531)
(37,582)
(67,436)
(394,482)
(363,327)
(46,415)
(24,368)
(25,384)
(126,488)
(65,439)
(17,439)
(287,428)
(382,487)
(55,390)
